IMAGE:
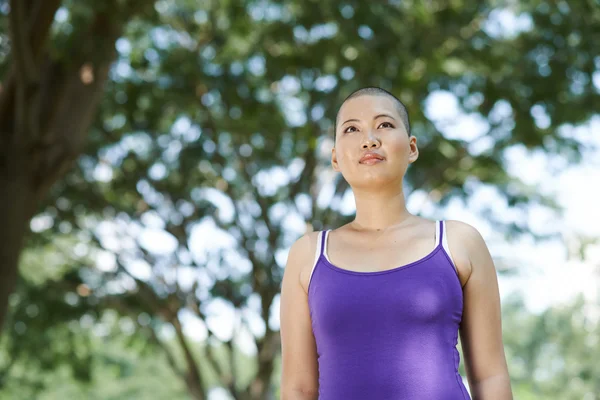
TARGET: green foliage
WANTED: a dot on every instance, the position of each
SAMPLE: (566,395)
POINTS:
(119,372)
(50,323)
(221,112)
(553,355)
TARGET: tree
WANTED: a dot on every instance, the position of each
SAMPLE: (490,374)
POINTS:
(219,113)
(51,86)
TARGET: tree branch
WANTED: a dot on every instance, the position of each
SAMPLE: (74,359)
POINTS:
(19,99)
(193,304)
(116,303)
(193,377)
(168,353)
(22,51)
(40,21)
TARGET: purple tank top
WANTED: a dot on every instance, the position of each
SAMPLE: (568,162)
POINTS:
(388,335)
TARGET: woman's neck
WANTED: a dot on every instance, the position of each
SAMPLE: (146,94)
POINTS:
(379,211)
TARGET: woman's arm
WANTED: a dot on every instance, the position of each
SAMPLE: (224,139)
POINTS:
(481,326)
(299,371)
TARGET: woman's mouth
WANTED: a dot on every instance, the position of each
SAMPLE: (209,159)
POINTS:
(371,158)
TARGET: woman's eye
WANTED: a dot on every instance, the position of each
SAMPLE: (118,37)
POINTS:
(348,129)
(386,125)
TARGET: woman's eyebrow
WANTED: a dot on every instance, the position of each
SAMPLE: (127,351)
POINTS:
(350,120)
(377,116)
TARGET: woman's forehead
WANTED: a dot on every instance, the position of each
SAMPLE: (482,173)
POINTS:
(367,106)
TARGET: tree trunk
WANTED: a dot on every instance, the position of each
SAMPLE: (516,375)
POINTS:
(46,108)
(15,209)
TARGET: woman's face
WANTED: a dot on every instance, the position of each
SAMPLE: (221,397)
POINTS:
(372,124)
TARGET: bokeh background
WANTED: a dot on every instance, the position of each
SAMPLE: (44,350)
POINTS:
(158,159)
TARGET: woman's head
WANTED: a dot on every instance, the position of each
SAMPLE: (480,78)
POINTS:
(372,120)
(377,91)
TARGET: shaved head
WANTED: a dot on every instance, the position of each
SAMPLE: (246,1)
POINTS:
(377,91)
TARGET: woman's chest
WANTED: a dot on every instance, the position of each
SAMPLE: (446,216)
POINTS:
(377,256)
(417,297)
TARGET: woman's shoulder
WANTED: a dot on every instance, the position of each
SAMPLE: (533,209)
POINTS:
(469,235)
(466,244)
(305,246)
(301,256)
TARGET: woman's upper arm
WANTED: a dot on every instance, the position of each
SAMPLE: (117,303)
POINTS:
(299,371)
(481,326)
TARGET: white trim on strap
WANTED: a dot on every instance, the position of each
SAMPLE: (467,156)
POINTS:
(318,249)
(326,233)
(317,253)
(445,244)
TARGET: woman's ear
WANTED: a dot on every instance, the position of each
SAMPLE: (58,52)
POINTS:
(334,162)
(414,150)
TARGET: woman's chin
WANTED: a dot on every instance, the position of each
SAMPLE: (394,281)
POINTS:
(375,181)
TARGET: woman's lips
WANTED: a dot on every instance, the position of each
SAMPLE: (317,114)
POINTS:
(371,158)
(371,161)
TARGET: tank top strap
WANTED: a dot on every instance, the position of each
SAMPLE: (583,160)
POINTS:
(321,245)
(442,240)
(320,250)
(324,242)
(439,232)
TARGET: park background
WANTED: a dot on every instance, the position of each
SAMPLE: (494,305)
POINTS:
(159,158)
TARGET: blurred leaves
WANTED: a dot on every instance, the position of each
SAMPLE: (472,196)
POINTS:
(552,355)
(218,115)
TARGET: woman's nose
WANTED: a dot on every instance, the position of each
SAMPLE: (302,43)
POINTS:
(370,141)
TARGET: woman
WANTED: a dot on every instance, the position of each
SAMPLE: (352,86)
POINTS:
(373,309)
